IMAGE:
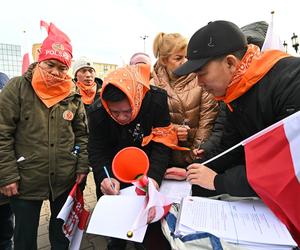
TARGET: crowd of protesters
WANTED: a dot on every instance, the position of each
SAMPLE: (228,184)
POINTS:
(206,94)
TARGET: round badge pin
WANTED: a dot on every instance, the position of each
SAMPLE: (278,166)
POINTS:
(68,115)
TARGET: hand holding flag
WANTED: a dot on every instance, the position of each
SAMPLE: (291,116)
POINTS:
(75,217)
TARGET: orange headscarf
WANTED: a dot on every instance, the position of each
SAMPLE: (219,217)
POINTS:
(50,89)
(133,81)
(87,92)
(253,67)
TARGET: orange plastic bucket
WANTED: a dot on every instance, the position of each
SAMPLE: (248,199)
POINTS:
(129,163)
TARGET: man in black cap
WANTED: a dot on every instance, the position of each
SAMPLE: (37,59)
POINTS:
(259,89)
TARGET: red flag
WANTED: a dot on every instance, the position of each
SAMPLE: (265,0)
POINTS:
(273,170)
(75,217)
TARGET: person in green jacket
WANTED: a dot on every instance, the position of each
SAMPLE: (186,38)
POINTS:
(43,141)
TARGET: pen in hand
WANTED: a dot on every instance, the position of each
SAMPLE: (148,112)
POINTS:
(107,174)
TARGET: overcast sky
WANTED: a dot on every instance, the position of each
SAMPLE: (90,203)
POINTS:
(110,30)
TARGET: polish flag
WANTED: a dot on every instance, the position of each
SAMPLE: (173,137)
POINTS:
(156,204)
(75,217)
(273,170)
(26,59)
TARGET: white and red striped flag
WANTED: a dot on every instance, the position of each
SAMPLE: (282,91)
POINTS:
(273,170)
(157,205)
(75,217)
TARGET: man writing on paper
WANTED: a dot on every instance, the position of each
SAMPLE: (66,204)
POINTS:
(259,90)
(42,119)
(131,113)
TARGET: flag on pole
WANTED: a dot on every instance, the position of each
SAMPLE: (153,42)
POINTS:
(75,217)
(273,170)
(26,58)
(272,40)
(156,204)
(45,25)
(52,30)
(156,201)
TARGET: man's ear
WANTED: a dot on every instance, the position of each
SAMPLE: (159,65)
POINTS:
(232,62)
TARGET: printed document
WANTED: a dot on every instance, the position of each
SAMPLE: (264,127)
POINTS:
(242,222)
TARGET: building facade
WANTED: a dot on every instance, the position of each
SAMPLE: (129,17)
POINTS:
(10,59)
(102,69)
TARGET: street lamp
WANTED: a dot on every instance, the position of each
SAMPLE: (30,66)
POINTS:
(144,38)
(285,46)
(295,42)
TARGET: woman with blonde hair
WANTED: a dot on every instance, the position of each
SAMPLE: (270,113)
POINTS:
(192,109)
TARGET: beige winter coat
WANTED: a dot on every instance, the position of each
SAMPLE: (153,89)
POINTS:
(189,104)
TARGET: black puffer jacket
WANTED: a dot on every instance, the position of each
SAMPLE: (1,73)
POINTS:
(274,97)
(107,137)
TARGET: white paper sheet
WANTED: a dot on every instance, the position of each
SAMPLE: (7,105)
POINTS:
(244,222)
(128,191)
(175,190)
(115,215)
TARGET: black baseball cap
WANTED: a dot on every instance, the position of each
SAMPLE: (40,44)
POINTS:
(213,40)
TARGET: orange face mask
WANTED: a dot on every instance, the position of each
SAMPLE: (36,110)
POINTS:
(50,89)
(87,92)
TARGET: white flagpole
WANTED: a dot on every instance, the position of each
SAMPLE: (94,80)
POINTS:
(223,153)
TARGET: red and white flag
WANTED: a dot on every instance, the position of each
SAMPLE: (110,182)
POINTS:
(156,206)
(273,170)
(155,201)
(75,217)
